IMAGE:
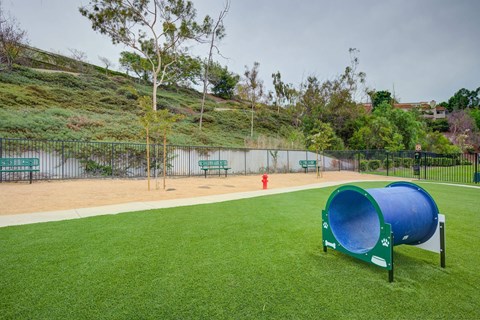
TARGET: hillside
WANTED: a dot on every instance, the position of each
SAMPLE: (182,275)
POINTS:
(89,105)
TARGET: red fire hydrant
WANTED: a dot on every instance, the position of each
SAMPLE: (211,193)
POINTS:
(265,180)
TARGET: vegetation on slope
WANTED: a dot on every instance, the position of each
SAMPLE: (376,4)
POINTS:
(94,106)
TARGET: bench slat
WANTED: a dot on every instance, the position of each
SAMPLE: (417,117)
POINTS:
(20,170)
(308,163)
(19,162)
(206,165)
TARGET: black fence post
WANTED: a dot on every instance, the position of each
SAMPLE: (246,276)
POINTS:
(63,159)
(112,162)
(475,174)
(425,165)
(189,159)
(388,163)
(268,160)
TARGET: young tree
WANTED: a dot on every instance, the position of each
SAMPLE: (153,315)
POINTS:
(351,77)
(158,125)
(132,61)
(153,28)
(252,89)
(223,81)
(163,126)
(12,39)
(279,87)
(80,58)
(379,97)
(106,62)
(216,31)
(147,120)
(320,139)
(285,94)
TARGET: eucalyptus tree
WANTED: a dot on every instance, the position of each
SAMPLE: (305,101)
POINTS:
(153,28)
(216,31)
(252,89)
(285,93)
(156,29)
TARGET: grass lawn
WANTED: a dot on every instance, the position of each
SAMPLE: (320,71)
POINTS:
(258,258)
(462,174)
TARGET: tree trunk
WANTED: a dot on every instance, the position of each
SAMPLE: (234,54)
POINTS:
(164,158)
(148,161)
(156,167)
(205,80)
(154,92)
(251,122)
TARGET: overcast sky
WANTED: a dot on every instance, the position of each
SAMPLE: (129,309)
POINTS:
(423,49)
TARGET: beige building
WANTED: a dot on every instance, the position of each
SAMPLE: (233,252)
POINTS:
(429,110)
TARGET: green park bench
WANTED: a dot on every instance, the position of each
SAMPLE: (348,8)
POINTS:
(20,165)
(305,164)
(206,165)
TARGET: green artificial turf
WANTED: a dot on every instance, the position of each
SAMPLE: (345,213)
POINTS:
(258,258)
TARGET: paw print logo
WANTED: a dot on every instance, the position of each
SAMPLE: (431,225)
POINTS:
(385,242)
(325,225)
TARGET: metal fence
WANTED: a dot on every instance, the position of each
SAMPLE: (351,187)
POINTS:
(82,160)
(453,167)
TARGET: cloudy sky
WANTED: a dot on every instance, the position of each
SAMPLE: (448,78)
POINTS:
(423,49)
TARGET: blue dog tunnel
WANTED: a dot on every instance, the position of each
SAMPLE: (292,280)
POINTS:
(356,215)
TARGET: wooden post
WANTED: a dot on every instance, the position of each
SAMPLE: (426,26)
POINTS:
(164,157)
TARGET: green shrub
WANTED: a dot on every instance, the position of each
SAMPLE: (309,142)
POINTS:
(127,92)
(374,165)
(407,162)
(95,168)
(397,162)
(363,165)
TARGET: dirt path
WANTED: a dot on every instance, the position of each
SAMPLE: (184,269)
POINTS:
(16,198)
